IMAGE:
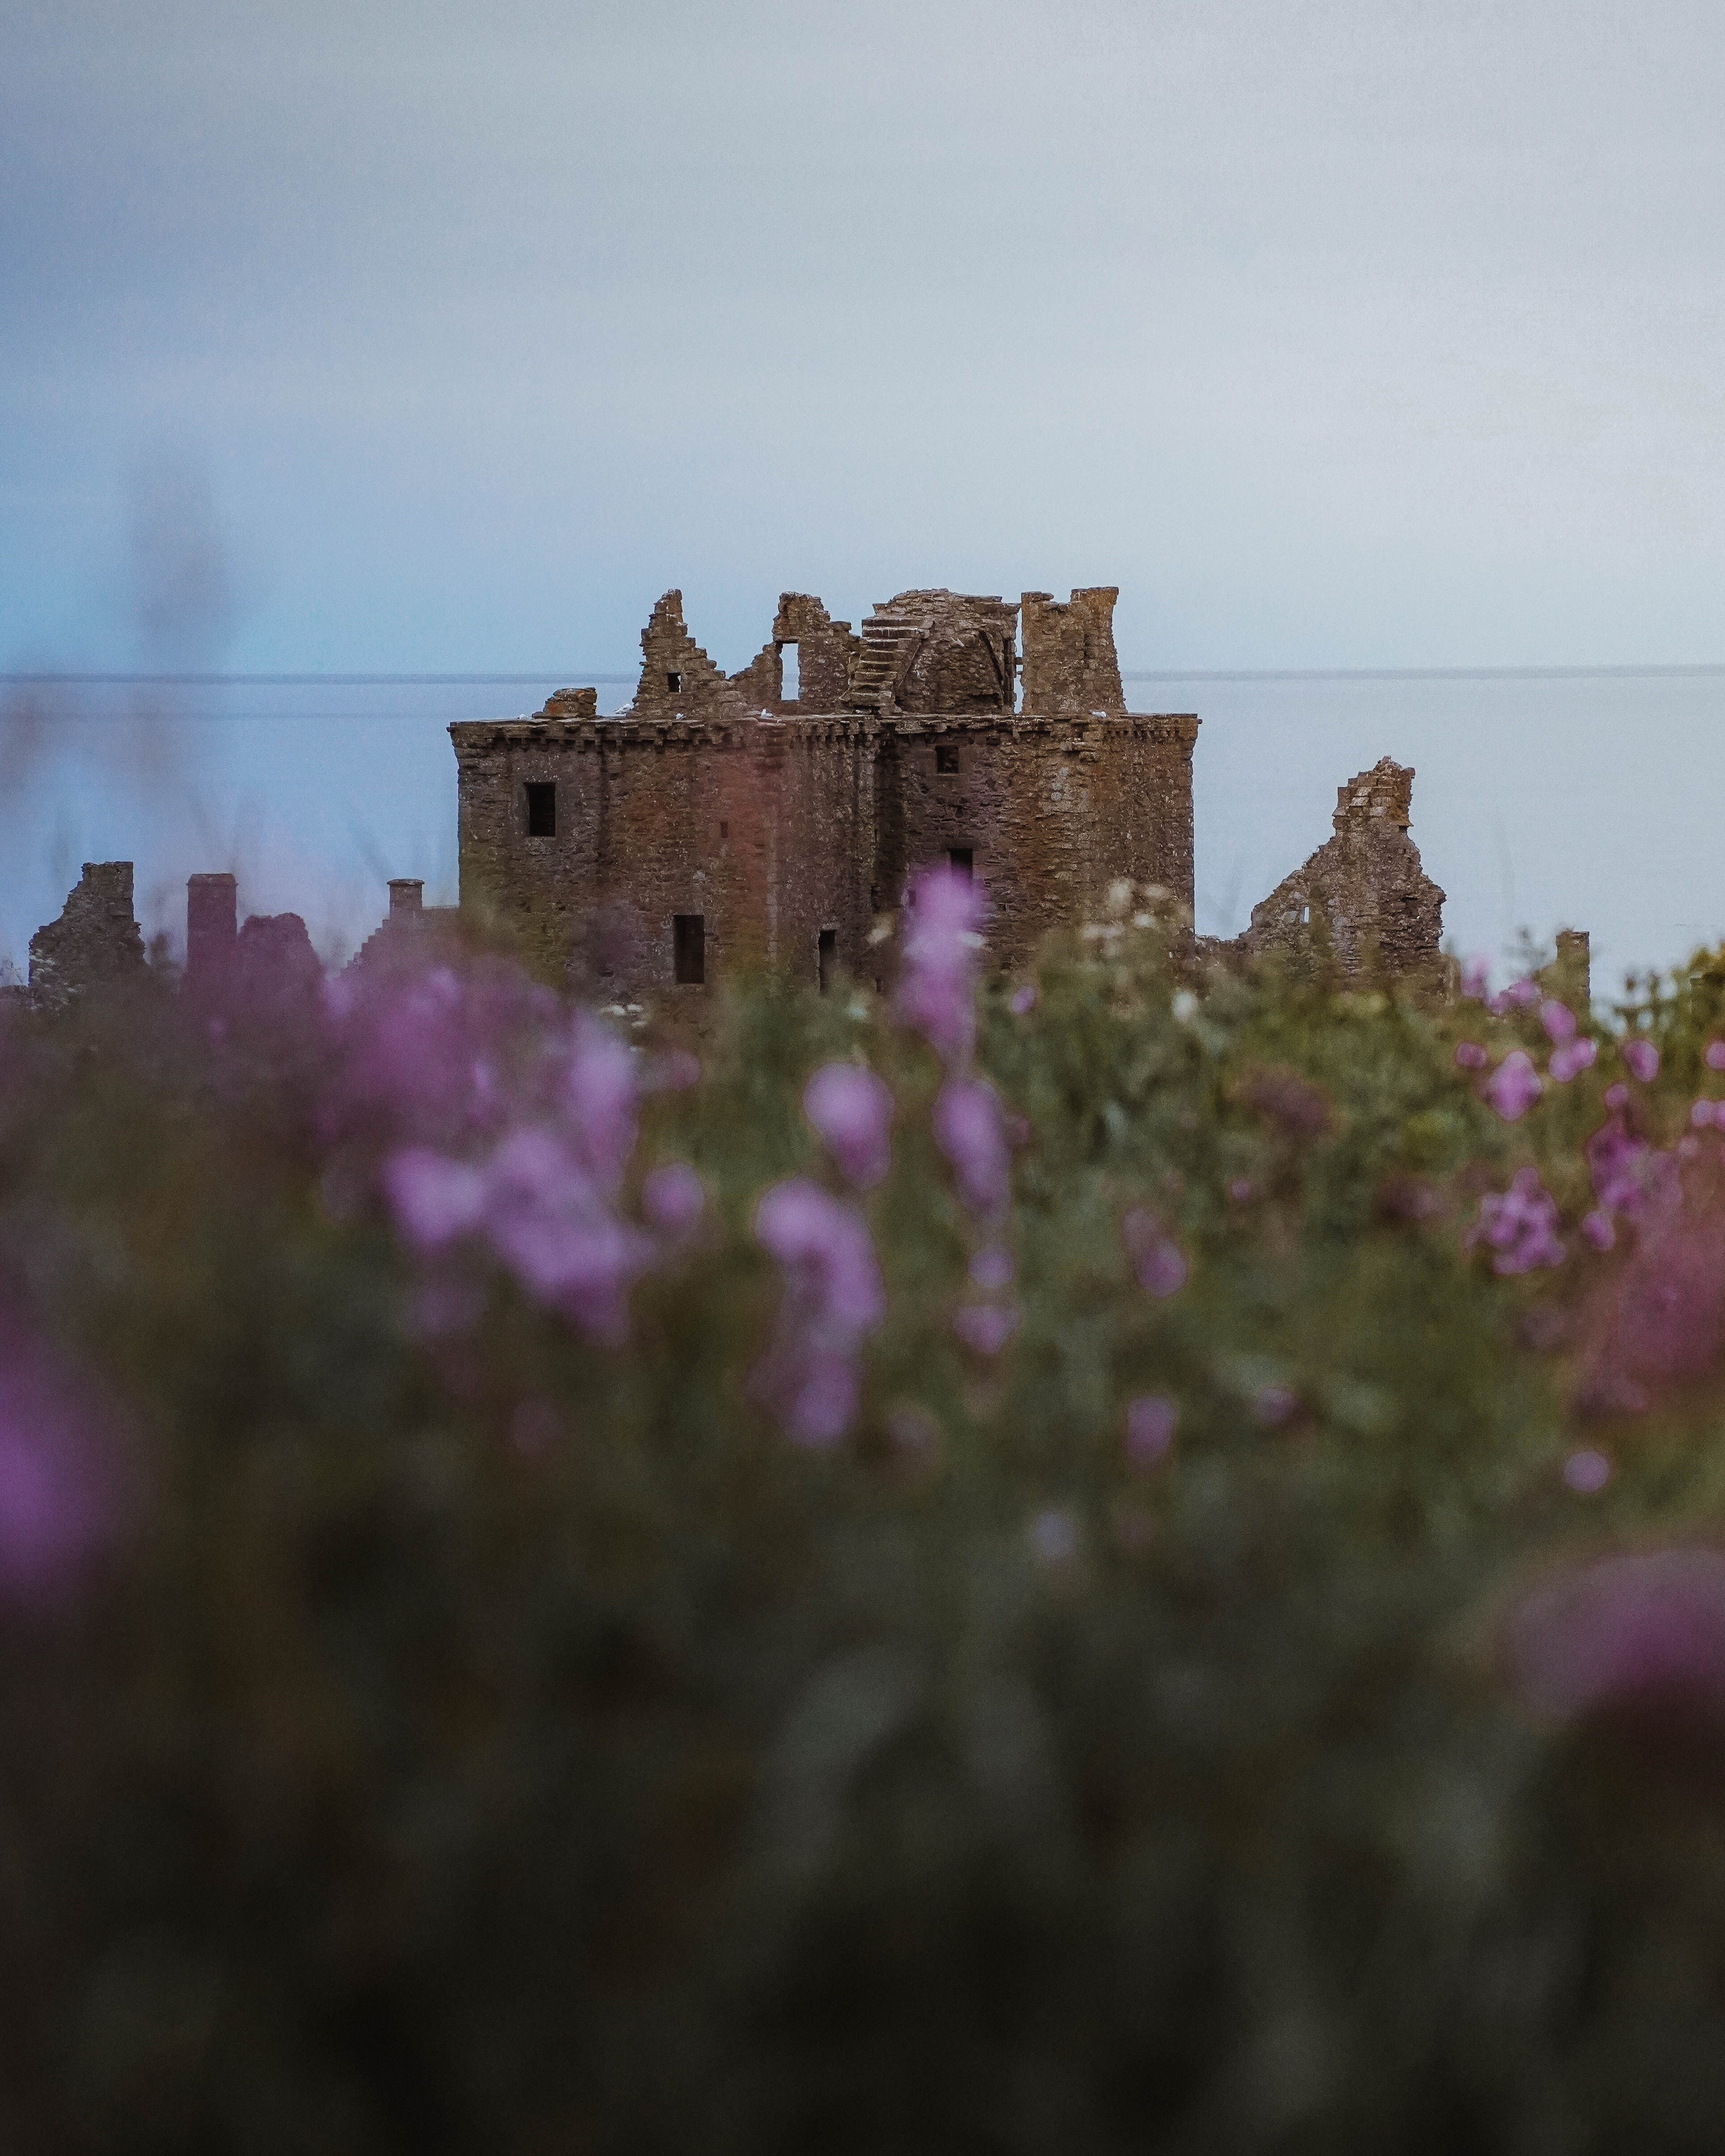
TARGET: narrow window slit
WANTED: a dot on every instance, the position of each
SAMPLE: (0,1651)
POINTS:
(827,958)
(688,949)
(541,808)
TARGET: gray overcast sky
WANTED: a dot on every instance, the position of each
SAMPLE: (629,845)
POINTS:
(446,338)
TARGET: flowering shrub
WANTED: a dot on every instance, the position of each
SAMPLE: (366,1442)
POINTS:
(1121,1559)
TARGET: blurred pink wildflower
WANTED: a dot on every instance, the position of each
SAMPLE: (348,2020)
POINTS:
(673,1198)
(1641,1058)
(1514,1086)
(1470,1056)
(1628,1177)
(936,990)
(1516,997)
(1570,1059)
(1558,1021)
(969,1131)
(851,1110)
(992,1266)
(1597,1229)
(1519,1225)
(549,1224)
(1157,1259)
(1587,1471)
(985,1327)
(1713,1056)
(1150,1422)
(434,1199)
(1617,1095)
(1022,999)
(1640,1632)
(1704,1113)
(833,1297)
(1475,976)
(599,1101)
(60,1495)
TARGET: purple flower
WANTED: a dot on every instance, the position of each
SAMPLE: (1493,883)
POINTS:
(1558,1021)
(1514,1086)
(985,1327)
(434,1199)
(1520,1226)
(1617,1095)
(598,1100)
(1702,1114)
(1642,1632)
(833,1299)
(1588,1472)
(992,1267)
(1150,1423)
(673,1198)
(936,989)
(1475,976)
(1516,997)
(969,1131)
(1156,1257)
(1470,1056)
(1642,1059)
(60,1493)
(1597,1229)
(1022,999)
(851,1109)
(551,1227)
(1713,1056)
(1572,1059)
(1628,1177)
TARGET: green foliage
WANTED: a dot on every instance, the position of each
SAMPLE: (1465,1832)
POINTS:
(476,1738)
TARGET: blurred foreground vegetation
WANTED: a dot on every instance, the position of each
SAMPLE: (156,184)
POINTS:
(1225,1656)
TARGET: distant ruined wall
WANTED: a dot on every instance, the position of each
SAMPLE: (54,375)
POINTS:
(1364,889)
(1070,662)
(95,943)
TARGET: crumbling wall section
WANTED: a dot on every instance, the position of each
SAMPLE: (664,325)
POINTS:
(1070,666)
(937,651)
(678,679)
(95,943)
(1363,892)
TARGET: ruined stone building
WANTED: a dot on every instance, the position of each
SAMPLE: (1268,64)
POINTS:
(764,819)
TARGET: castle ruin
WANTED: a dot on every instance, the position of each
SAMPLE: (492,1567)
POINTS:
(765,821)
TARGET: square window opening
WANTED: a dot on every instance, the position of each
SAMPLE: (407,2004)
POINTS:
(724,829)
(541,808)
(689,950)
(826,958)
(946,759)
(674,682)
(962,858)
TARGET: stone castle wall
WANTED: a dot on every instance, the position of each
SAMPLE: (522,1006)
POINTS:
(786,829)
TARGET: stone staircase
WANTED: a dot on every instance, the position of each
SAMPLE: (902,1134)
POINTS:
(890,643)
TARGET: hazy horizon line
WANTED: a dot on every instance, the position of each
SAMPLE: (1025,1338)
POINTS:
(597,680)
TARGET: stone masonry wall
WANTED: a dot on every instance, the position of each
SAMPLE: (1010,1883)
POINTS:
(1364,889)
(96,941)
(1070,667)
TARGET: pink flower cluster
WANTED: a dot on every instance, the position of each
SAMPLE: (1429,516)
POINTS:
(61,1494)
(852,1110)
(1157,1259)
(943,911)
(1643,1633)
(542,1196)
(834,1298)
(1519,1225)
(1640,1058)
(1514,1086)
(971,1131)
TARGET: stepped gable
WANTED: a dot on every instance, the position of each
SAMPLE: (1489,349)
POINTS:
(411,931)
(1070,667)
(96,941)
(678,679)
(827,652)
(1364,889)
(926,652)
